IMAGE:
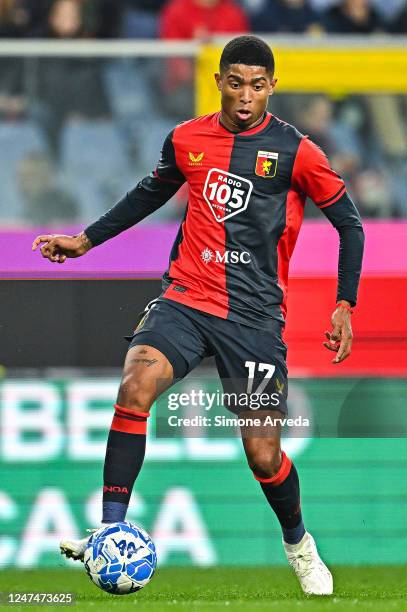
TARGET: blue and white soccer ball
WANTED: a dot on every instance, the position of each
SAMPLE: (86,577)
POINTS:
(120,558)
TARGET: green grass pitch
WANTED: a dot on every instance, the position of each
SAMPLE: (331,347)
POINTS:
(255,588)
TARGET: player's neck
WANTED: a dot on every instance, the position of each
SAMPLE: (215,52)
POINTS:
(231,127)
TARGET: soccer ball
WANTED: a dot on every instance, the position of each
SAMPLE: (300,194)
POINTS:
(120,558)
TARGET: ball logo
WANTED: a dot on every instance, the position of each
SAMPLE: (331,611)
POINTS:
(128,549)
(226,194)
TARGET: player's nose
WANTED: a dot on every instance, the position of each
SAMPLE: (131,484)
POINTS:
(245,95)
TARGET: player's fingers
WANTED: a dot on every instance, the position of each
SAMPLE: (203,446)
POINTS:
(61,259)
(47,250)
(344,349)
(331,347)
(336,333)
(39,239)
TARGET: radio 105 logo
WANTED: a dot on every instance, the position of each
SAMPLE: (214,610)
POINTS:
(226,194)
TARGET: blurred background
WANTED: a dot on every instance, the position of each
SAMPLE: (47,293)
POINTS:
(61,106)
(88,91)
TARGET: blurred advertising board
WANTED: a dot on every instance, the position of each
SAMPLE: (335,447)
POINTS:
(143,251)
(196,495)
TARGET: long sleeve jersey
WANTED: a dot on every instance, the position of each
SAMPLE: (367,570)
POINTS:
(247,193)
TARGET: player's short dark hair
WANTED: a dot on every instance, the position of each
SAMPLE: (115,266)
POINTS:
(248,50)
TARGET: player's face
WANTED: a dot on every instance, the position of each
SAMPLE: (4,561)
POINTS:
(245,91)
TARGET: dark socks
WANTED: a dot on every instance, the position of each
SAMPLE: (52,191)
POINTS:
(283,494)
(124,457)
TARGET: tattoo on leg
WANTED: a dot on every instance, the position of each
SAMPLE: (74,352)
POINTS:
(149,362)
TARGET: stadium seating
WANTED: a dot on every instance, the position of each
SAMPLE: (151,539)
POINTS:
(127,87)
(17,140)
(94,160)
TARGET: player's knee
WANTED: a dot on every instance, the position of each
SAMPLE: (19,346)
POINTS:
(265,462)
(132,394)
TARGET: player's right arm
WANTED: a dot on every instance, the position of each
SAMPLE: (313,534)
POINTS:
(148,196)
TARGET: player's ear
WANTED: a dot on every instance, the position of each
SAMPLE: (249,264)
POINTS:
(218,80)
(273,83)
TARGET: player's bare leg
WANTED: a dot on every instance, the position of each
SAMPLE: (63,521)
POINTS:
(146,374)
(145,370)
(278,479)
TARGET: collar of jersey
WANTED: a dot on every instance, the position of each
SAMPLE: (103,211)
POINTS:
(266,120)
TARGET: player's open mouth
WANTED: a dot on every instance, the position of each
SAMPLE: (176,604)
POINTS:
(243,114)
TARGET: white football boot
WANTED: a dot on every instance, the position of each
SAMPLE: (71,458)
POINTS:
(314,576)
(75,549)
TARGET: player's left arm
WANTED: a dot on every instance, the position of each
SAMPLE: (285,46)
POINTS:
(313,175)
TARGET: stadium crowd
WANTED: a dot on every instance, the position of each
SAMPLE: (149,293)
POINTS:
(198,18)
(53,128)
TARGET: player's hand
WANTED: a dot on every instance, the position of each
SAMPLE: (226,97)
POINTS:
(57,247)
(339,339)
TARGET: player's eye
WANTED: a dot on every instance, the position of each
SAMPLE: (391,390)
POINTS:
(234,85)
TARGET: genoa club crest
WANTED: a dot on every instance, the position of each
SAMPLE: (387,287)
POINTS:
(266,164)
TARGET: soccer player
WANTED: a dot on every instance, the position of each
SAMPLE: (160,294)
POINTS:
(224,293)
